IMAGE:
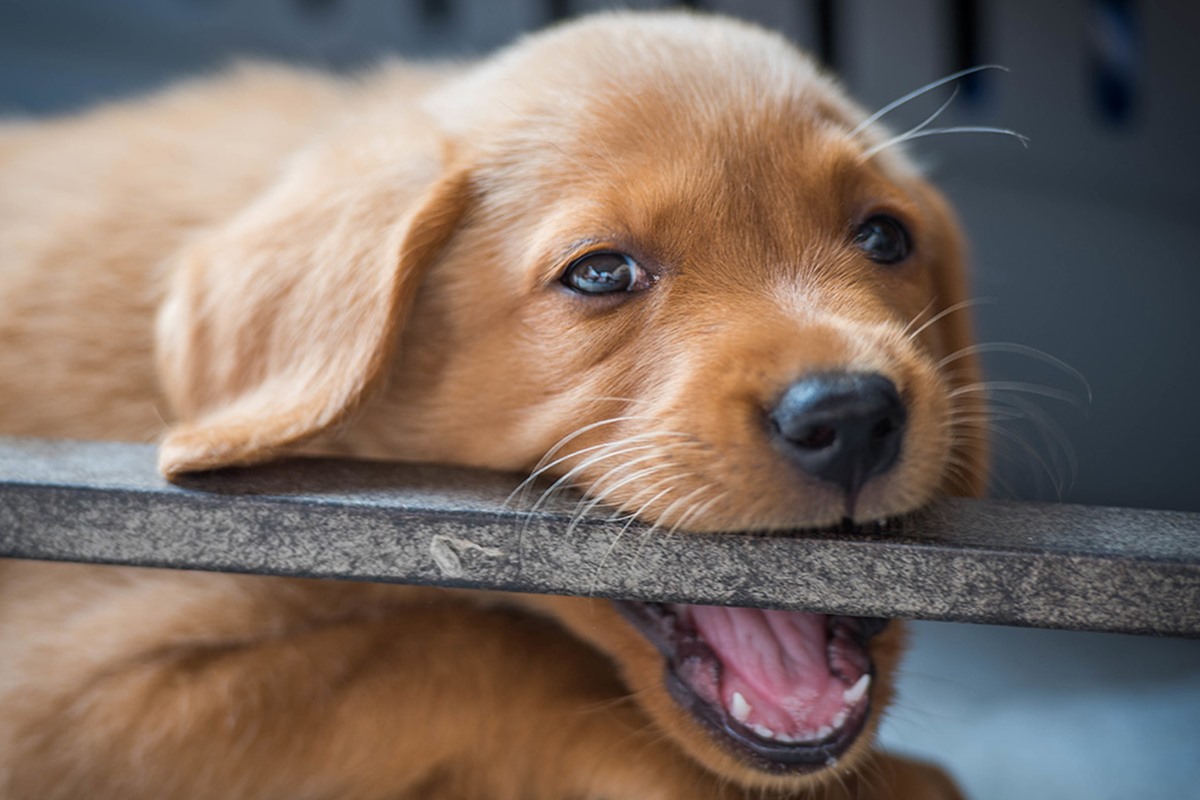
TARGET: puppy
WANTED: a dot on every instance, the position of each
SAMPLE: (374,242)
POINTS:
(660,256)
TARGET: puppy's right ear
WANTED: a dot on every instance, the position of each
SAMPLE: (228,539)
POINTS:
(279,324)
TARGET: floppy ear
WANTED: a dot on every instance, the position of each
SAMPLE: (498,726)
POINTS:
(278,325)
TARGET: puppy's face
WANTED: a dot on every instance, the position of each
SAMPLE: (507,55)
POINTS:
(670,276)
(689,294)
(688,290)
(717,329)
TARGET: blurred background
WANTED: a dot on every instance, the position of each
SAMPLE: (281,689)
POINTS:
(1086,251)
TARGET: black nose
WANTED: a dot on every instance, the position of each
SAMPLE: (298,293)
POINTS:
(841,427)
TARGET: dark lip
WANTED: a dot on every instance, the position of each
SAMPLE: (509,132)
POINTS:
(657,624)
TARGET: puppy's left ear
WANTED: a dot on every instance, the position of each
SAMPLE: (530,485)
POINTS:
(278,325)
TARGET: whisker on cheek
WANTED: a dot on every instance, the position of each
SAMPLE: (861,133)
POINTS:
(623,512)
(621,533)
(904,332)
(945,312)
(1019,386)
(606,450)
(598,493)
(698,511)
(1023,350)
(681,504)
(575,434)
(604,488)
(610,450)
(1058,463)
(539,471)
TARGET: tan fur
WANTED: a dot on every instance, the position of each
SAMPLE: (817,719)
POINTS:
(275,261)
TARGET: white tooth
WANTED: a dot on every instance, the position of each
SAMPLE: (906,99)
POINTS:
(739,707)
(763,731)
(856,692)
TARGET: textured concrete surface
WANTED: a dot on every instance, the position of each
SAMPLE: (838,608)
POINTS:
(982,561)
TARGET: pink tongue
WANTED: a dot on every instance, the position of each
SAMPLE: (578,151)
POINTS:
(776,664)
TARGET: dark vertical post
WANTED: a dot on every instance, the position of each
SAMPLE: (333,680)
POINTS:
(966,49)
(825,22)
(557,10)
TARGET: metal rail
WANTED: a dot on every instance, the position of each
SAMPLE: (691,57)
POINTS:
(1044,565)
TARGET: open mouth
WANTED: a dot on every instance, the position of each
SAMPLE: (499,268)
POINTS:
(786,691)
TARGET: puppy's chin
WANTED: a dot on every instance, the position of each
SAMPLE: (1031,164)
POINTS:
(764,699)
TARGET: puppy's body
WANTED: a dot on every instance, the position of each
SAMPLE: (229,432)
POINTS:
(276,260)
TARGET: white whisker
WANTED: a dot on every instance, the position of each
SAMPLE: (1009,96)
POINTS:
(625,529)
(662,518)
(590,501)
(929,87)
(610,450)
(697,511)
(872,151)
(1019,349)
(539,471)
(917,317)
(590,461)
(580,431)
(634,516)
(945,312)
(989,387)
(1056,479)
(1053,436)
(903,137)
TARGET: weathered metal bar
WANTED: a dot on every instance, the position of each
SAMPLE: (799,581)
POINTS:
(1032,564)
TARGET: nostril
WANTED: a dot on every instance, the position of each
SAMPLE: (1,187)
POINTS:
(842,428)
(819,437)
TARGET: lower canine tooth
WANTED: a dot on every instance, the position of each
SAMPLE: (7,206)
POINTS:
(763,731)
(856,692)
(739,707)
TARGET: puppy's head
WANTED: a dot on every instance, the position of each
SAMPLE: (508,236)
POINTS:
(647,253)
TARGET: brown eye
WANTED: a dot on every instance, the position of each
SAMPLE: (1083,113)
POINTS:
(883,239)
(605,273)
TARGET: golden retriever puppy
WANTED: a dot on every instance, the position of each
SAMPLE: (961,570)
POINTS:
(662,255)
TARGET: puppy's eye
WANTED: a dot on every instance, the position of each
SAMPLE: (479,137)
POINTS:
(605,273)
(883,239)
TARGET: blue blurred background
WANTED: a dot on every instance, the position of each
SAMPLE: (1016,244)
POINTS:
(1085,246)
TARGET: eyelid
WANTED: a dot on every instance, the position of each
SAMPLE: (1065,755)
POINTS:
(559,261)
(888,204)
(641,278)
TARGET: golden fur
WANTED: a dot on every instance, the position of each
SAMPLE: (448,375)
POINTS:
(275,261)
